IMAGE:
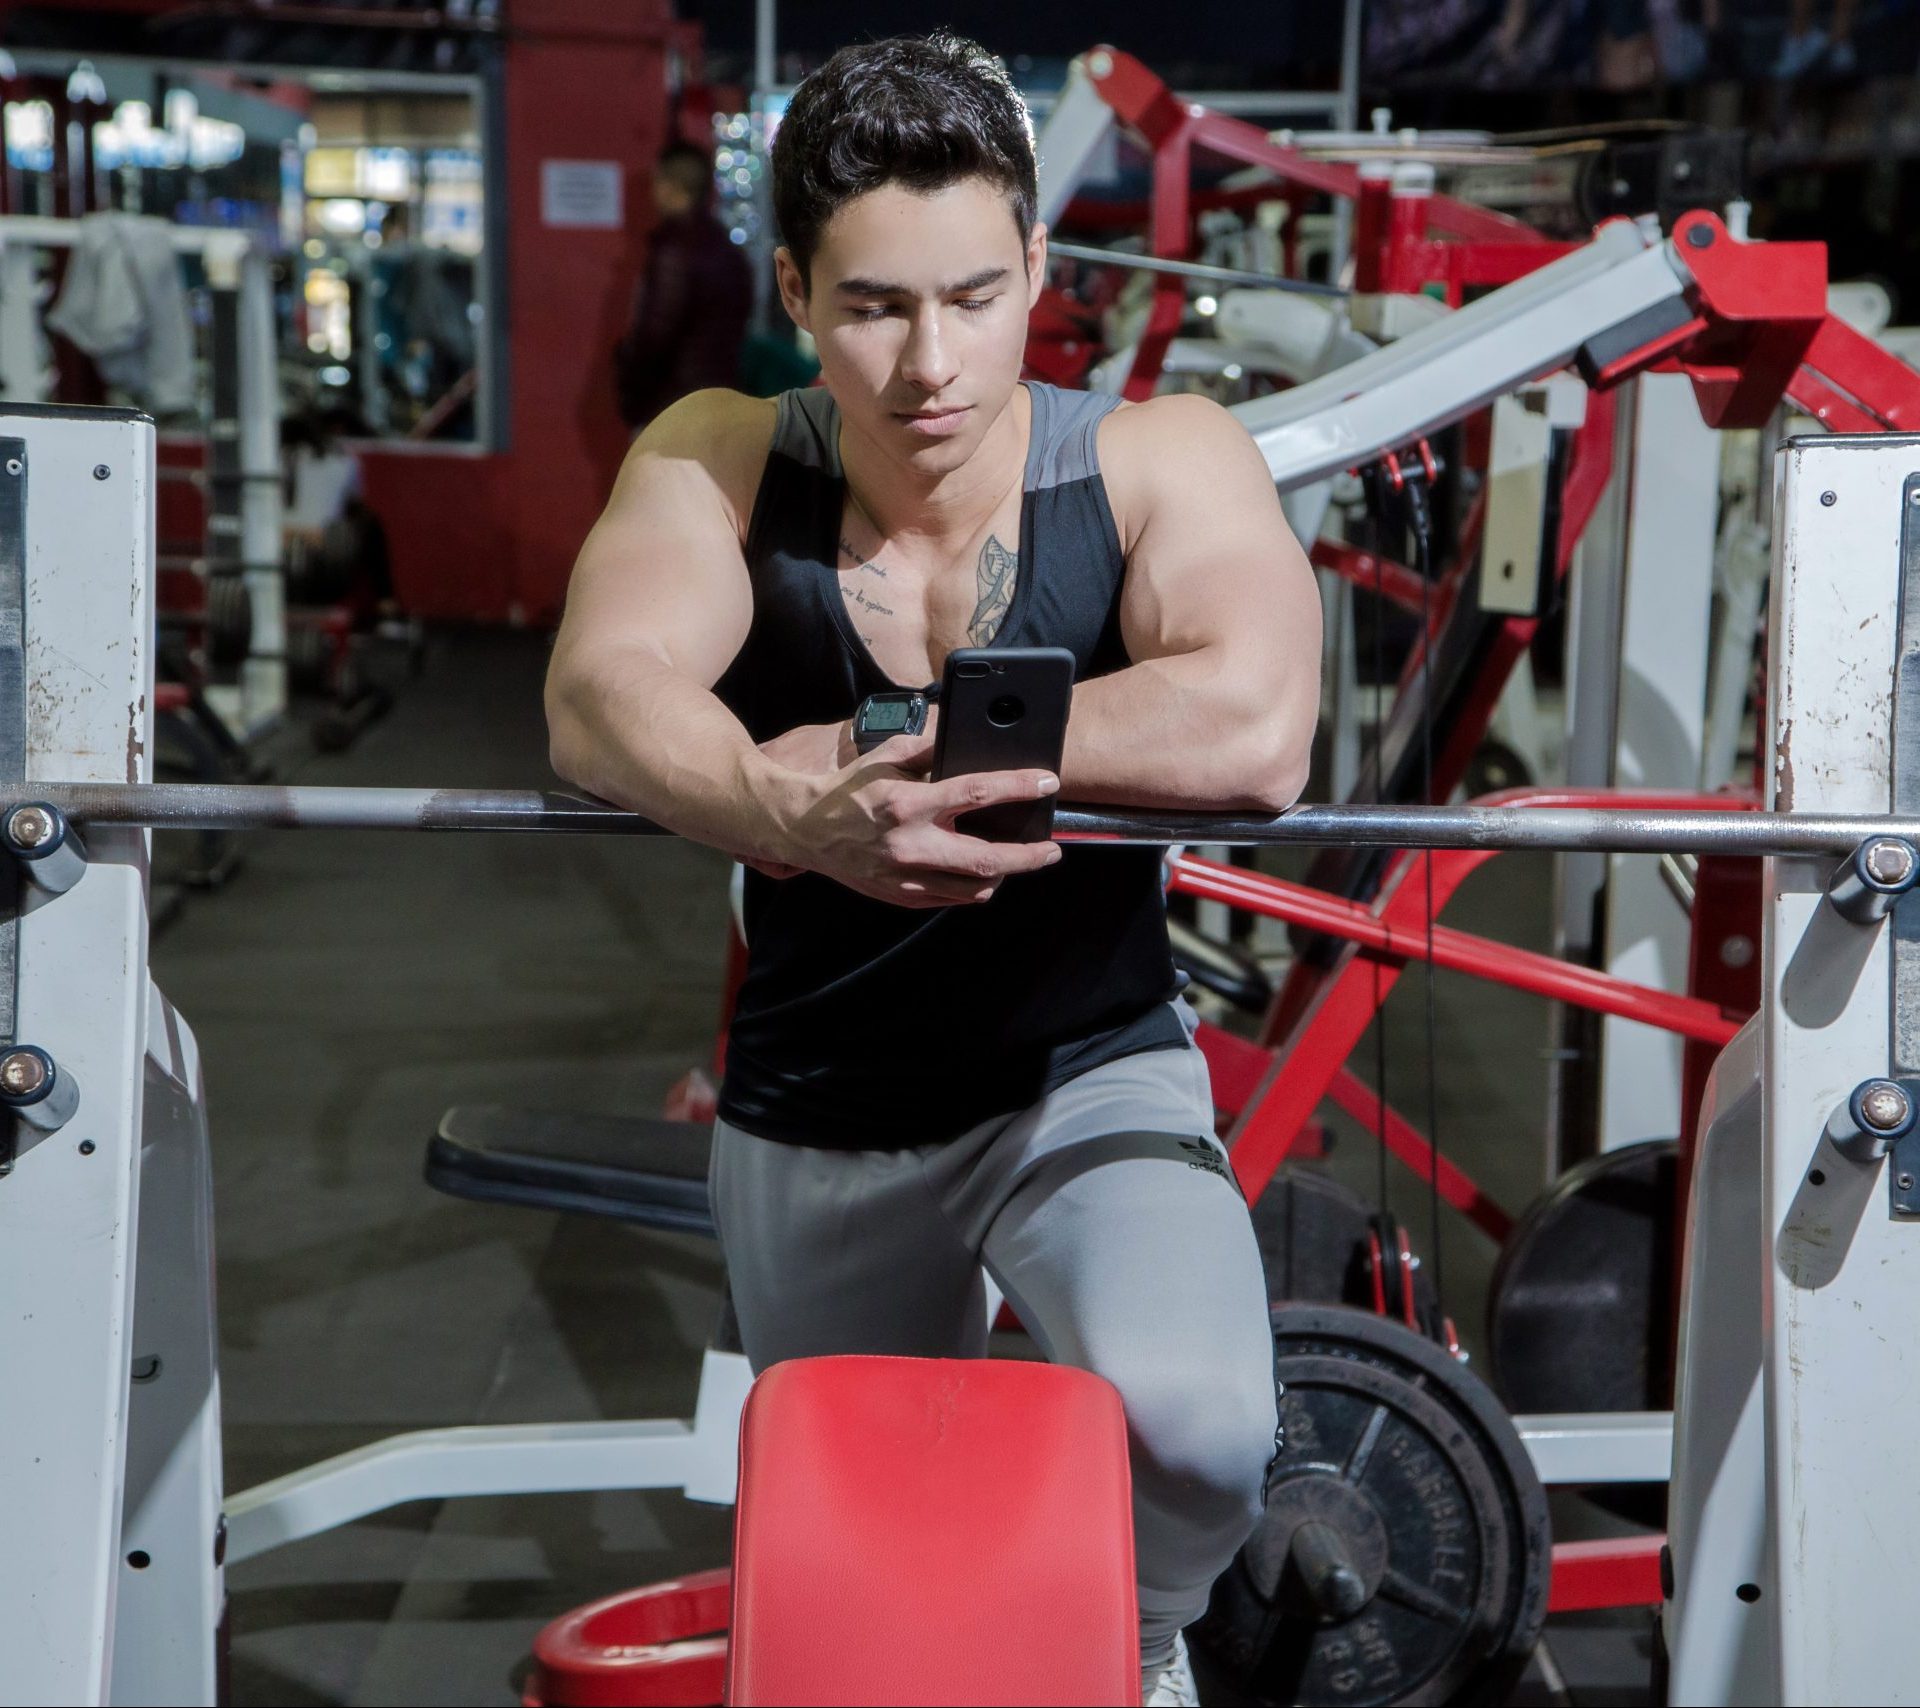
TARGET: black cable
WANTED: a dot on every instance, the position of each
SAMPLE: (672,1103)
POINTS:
(1379,784)
(1420,520)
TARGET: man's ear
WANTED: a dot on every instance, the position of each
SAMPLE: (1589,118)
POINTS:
(1036,261)
(793,287)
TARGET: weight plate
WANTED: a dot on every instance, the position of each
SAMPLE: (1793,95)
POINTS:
(1313,1235)
(1404,1554)
(309,659)
(1580,1309)
(1495,766)
(229,619)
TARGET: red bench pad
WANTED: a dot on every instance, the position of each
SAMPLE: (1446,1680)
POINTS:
(915,1530)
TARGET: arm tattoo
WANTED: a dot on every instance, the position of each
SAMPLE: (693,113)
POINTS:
(997,571)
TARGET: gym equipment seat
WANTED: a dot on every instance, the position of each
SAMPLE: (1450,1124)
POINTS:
(916,1530)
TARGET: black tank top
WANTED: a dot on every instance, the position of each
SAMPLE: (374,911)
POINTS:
(865,1026)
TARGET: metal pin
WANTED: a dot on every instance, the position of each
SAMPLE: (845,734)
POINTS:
(1865,886)
(50,853)
(35,1089)
(1866,1126)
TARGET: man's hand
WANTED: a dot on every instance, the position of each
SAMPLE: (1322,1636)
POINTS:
(815,750)
(880,827)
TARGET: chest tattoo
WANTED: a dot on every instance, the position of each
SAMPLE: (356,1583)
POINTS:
(864,589)
(996,573)
(864,586)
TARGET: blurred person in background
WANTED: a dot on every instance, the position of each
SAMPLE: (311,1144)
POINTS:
(690,311)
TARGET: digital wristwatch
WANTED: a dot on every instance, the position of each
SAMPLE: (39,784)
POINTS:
(897,711)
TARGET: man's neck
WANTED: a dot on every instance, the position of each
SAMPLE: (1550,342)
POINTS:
(947,509)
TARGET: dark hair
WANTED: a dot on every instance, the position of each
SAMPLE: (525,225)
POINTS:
(922,111)
(688,168)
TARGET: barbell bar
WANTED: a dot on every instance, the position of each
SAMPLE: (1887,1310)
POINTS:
(1205,271)
(265,806)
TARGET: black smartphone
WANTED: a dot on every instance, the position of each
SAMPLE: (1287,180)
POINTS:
(1004,709)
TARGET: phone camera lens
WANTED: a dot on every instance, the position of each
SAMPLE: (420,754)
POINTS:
(1006,709)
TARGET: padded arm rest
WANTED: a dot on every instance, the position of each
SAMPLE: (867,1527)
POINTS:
(649,1171)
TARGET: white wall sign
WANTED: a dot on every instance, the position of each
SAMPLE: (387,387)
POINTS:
(583,194)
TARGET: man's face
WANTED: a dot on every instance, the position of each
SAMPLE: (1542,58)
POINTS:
(919,309)
(670,199)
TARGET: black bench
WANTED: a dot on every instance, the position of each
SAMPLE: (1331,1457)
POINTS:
(1223,968)
(634,1168)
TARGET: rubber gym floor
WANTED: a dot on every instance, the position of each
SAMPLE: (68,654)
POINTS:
(346,989)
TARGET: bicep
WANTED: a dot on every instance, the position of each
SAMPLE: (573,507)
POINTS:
(662,570)
(1213,563)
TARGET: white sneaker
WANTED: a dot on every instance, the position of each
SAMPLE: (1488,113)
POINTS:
(1170,1686)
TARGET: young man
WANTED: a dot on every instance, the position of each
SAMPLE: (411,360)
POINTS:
(950,1054)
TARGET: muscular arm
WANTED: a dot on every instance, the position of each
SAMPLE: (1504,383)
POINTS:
(1220,616)
(658,606)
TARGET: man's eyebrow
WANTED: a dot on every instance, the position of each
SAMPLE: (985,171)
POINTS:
(979,281)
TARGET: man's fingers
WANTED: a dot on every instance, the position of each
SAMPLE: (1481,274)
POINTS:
(939,889)
(935,850)
(990,788)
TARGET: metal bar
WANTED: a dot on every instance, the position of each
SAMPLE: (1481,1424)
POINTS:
(1639,830)
(1446,370)
(1599,1447)
(1190,269)
(1341,245)
(446,1464)
(1459,951)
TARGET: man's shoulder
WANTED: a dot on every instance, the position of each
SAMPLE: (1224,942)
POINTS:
(1177,424)
(1162,444)
(727,432)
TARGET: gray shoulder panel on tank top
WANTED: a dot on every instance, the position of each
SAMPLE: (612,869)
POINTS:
(1063,443)
(807,429)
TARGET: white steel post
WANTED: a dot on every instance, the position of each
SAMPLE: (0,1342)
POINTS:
(69,1205)
(1833,1272)
(1660,706)
(168,1608)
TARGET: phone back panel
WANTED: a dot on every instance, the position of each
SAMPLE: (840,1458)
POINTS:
(1005,710)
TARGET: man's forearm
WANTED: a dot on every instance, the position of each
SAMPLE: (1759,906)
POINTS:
(638,733)
(1187,732)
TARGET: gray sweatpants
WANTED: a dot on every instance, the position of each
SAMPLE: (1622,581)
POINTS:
(1106,1214)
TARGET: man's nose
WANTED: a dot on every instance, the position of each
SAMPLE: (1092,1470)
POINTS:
(928,361)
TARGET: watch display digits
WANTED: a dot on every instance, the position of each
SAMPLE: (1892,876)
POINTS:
(900,711)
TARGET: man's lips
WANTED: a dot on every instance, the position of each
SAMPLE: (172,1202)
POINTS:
(932,421)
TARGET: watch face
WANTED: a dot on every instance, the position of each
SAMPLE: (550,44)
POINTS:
(887,717)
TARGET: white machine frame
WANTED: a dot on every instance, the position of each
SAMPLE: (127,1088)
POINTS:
(1793,1563)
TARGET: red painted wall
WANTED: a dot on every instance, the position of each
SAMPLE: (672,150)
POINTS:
(493,538)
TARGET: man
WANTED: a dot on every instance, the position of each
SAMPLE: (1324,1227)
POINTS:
(949,1053)
(690,312)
